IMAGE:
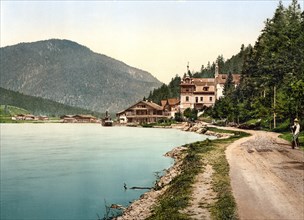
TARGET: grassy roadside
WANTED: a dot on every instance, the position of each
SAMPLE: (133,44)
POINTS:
(177,196)
(288,136)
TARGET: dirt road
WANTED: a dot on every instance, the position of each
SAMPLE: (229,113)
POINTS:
(267,177)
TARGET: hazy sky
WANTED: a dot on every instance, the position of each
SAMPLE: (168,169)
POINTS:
(156,36)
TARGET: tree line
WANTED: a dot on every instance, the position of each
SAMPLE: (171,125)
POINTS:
(272,75)
(272,80)
(39,106)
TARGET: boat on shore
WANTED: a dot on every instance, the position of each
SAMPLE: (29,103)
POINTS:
(107,121)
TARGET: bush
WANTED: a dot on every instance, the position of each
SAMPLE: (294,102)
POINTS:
(254,124)
(284,126)
(191,114)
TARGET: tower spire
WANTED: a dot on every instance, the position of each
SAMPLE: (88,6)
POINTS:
(188,67)
(216,70)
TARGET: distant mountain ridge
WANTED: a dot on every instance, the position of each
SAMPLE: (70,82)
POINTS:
(69,73)
(40,106)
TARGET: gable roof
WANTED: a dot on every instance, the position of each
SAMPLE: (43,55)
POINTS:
(163,102)
(173,101)
(221,79)
(84,116)
(149,103)
(153,105)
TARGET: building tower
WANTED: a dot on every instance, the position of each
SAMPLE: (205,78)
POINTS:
(216,74)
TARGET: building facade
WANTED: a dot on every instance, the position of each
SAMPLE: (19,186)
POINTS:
(203,92)
(170,106)
(142,112)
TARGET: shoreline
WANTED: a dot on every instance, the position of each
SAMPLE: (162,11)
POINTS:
(142,207)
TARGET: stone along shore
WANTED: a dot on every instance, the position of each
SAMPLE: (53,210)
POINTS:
(142,208)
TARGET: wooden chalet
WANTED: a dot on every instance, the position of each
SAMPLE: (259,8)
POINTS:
(68,119)
(43,118)
(142,112)
(26,117)
(171,106)
(78,119)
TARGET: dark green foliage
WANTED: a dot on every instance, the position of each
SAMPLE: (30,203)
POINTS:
(178,117)
(171,90)
(66,72)
(233,65)
(190,114)
(39,106)
(229,86)
(272,76)
(206,72)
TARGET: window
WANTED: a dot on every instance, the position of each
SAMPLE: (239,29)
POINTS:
(187,90)
(202,99)
(196,99)
(205,88)
(187,98)
(210,99)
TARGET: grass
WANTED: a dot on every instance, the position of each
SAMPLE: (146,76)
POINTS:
(12,110)
(176,198)
(288,136)
(7,111)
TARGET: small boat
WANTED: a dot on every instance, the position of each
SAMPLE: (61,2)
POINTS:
(107,121)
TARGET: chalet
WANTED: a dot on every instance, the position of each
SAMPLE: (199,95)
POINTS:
(170,106)
(68,119)
(142,112)
(43,118)
(85,118)
(78,119)
(203,92)
(20,116)
(27,117)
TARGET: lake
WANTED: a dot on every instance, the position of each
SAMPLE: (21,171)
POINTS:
(70,171)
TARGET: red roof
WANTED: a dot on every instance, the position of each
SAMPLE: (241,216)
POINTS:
(163,102)
(223,77)
(149,103)
(173,101)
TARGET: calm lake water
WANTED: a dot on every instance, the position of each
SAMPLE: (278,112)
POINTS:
(68,171)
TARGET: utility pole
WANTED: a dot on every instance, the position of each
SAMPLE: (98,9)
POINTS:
(274,106)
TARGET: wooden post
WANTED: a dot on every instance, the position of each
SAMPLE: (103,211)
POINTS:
(274,106)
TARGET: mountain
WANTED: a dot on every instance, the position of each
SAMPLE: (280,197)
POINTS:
(40,106)
(72,74)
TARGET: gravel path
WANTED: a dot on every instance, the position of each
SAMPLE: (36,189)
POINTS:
(267,177)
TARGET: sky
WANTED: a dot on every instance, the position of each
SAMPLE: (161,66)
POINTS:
(160,37)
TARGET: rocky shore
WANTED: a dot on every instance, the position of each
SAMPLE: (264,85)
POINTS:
(200,128)
(142,208)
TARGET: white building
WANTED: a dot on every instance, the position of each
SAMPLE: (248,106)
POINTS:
(199,92)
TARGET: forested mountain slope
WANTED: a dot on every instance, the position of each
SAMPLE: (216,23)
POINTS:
(39,106)
(66,72)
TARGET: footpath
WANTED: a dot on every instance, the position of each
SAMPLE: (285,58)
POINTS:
(267,177)
(267,180)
